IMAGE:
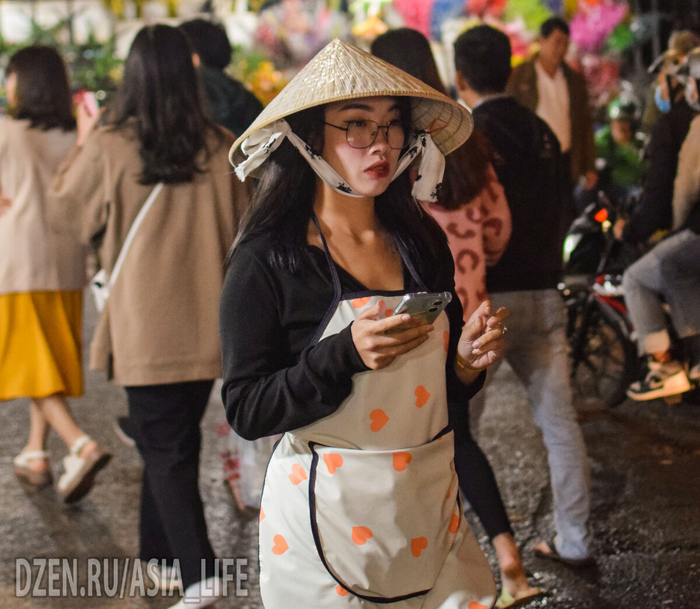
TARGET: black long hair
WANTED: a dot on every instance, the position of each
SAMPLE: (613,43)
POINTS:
(465,168)
(282,205)
(160,97)
(43,93)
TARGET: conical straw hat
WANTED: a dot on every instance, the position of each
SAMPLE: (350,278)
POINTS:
(341,71)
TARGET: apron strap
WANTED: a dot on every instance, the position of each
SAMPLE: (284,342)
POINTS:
(334,272)
(412,270)
(337,293)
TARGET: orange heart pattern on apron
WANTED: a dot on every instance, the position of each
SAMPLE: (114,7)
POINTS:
(361,507)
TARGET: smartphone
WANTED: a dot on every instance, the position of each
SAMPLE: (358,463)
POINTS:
(89,100)
(424,306)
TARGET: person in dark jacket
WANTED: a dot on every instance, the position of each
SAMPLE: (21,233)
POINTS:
(231,104)
(529,165)
(547,85)
(653,212)
(671,270)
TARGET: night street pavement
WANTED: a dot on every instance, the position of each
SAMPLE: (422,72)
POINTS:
(645,467)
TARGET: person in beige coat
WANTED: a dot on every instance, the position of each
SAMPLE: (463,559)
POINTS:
(158,333)
(41,275)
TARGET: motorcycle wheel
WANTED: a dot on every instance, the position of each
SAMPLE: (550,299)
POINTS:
(607,362)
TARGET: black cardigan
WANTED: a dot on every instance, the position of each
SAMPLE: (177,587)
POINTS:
(275,379)
(655,208)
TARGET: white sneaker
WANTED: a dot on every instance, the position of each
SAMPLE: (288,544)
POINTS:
(202,594)
(662,381)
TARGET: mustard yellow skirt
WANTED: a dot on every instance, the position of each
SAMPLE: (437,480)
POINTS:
(40,344)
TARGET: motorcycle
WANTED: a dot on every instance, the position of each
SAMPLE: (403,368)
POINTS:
(602,351)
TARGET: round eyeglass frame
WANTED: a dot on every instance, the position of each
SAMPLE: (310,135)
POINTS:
(374,139)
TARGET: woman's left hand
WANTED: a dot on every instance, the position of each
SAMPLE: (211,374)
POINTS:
(86,120)
(482,343)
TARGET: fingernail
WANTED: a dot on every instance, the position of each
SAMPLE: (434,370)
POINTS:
(406,317)
(476,344)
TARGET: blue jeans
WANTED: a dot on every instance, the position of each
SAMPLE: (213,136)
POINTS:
(537,352)
(671,270)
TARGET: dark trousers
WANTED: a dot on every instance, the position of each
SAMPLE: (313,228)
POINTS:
(476,478)
(168,436)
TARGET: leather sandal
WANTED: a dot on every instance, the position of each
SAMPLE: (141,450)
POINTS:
(586,561)
(26,474)
(79,475)
(507,601)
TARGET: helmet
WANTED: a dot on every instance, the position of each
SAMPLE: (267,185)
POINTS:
(623,108)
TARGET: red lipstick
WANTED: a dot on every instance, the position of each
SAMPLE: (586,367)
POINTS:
(378,170)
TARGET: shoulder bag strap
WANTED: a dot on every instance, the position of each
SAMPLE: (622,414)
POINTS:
(132,232)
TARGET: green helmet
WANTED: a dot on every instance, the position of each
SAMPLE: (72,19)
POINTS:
(623,108)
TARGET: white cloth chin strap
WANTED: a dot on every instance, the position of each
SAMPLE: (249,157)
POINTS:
(259,145)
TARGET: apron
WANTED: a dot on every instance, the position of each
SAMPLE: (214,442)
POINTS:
(361,508)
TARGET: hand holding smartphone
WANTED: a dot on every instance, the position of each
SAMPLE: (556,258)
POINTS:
(423,307)
(88,100)
(87,114)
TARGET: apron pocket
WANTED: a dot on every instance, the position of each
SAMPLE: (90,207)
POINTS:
(384,521)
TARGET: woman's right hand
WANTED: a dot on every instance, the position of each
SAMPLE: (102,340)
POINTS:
(379,349)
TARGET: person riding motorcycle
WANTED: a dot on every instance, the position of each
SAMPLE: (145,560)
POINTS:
(671,270)
(618,144)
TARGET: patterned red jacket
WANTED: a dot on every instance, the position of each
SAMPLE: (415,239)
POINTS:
(478,233)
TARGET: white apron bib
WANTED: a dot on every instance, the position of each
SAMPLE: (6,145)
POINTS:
(361,508)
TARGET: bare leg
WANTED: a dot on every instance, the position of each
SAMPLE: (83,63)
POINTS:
(38,430)
(513,576)
(56,412)
(662,357)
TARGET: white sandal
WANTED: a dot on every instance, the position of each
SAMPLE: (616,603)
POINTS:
(29,476)
(80,472)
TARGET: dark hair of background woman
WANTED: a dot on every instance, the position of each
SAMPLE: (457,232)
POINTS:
(466,167)
(282,205)
(160,98)
(43,93)
(210,41)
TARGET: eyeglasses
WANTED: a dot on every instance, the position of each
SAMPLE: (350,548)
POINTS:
(363,133)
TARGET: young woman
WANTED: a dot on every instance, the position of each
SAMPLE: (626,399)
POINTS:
(360,505)
(158,334)
(41,274)
(472,210)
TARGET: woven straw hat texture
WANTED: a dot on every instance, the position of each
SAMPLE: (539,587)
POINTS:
(341,71)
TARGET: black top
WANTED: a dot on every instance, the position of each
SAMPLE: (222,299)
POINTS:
(655,209)
(529,165)
(276,379)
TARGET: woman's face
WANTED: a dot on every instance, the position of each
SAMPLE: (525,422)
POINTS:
(368,170)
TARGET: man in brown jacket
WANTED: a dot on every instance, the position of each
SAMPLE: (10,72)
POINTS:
(548,86)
